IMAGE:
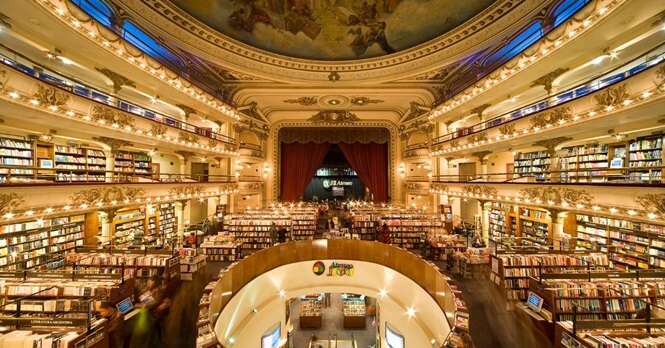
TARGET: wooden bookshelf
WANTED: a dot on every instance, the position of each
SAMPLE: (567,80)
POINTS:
(534,164)
(39,244)
(133,163)
(16,153)
(646,152)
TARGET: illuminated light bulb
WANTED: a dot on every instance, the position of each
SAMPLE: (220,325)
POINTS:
(8,215)
(411,312)
(579,206)
(627,102)
(13,95)
(613,210)
(651,216)
(586,23)
(70,113)
(572,33)
(34,102)
(592,113)
(53,108)
(646,94)
(595,208)
(67,207)
(48,210)
(602,10)
(29,213)
(631,212)
(87,117)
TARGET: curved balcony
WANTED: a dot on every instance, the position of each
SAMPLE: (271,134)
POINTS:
(423,273)
(25,65)
(250,150)
(594,84)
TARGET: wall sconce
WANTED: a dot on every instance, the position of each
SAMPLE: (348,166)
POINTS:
(266,170)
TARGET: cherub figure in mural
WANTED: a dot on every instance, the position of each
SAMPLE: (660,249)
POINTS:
(369,34)
(245,18)
(300,19)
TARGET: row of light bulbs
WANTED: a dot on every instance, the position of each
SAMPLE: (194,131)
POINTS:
(561,123)
(564,205)
(92,31)
(101,205)
(16,96)
(575,28)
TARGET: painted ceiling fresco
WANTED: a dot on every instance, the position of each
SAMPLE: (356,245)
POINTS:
(333,29)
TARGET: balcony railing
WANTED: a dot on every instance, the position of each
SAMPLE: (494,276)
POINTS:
(35,176)
(590,176)
(18,62)
(594,84)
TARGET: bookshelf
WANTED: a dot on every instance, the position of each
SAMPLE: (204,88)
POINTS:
(535,164)
(132,163)
(511,272)
(584,163)
(130,263)
(129,227)
(498,222)
(534,225)
(409,230)
(14,154)
(253,230)
(604,334)
(303,225)
(645,152)
(38,244)
(221,248)
(168,222)
(190,263)
(629,244)
(363,227)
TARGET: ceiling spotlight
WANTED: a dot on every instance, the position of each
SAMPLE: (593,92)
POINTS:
(411,312)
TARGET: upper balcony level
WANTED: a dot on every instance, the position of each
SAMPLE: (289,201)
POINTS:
(595,84)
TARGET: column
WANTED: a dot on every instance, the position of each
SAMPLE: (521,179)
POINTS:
(485,220)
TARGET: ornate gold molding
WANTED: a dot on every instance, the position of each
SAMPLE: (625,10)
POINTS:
(612,96)
(158,129)
(106,195)
(548,79)
(188,137)
(9,202)
(507,129)
(118,80)
(551,118)
(334,117)
(557,195)
(186,190)
(652,202)
(303,101)
(111,116)
(482,190)
(52,96)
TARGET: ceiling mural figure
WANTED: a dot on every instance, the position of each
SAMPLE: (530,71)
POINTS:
(333,29)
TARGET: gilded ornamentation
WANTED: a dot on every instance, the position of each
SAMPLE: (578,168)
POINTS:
(612,96)
(478,110)
(114,144)
(188,137)
(48,95)
(3,79)
(334,117)
(547,80)
(478,137)
(364,101)
(415,110)
(106,195)
(303,101)
(111,116)
(660,74)
(652,202)
(482,190)
(550,144)
(557,195)
(158,129)
(118,80)
(186,190)
(9,202)
(553,117)
(186,109)
(507,129)
(213,143)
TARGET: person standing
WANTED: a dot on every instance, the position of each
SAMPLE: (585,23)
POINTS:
(384,234)
(273,234)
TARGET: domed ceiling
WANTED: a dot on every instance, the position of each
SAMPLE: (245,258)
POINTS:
(333,30)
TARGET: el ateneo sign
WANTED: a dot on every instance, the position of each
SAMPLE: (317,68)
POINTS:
(335,269)
(328,183)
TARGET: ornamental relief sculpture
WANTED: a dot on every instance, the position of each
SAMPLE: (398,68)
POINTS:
(106,195)
(10,202)
(47,95)
(652,202)
(334,117)
(557,195)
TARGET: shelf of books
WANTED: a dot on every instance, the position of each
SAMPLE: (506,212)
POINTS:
(78,164)
(54,310)
(533,164)
(584,163)
(39,243)
(646,152)
(363,227)
(129,227)
(132,163)
(221,248)
(206,336)
(603,334)
(534,224)
(498,226)
(601,299)
(190,263)
(168,222)
(253,230)
(511,272)
(130,263)
(409,231)
(629,244)
(303,225)
(14,154)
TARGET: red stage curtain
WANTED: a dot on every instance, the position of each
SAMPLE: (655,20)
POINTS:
(371,163)
(299,163)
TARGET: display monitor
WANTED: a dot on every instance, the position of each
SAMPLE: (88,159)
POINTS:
(393,338)
(534,302)
(272,337)
(125,306)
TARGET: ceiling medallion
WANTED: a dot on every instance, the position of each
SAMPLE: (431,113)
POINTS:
(334,117)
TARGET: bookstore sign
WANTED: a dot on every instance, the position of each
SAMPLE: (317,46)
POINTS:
(330,183)
(335,269)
